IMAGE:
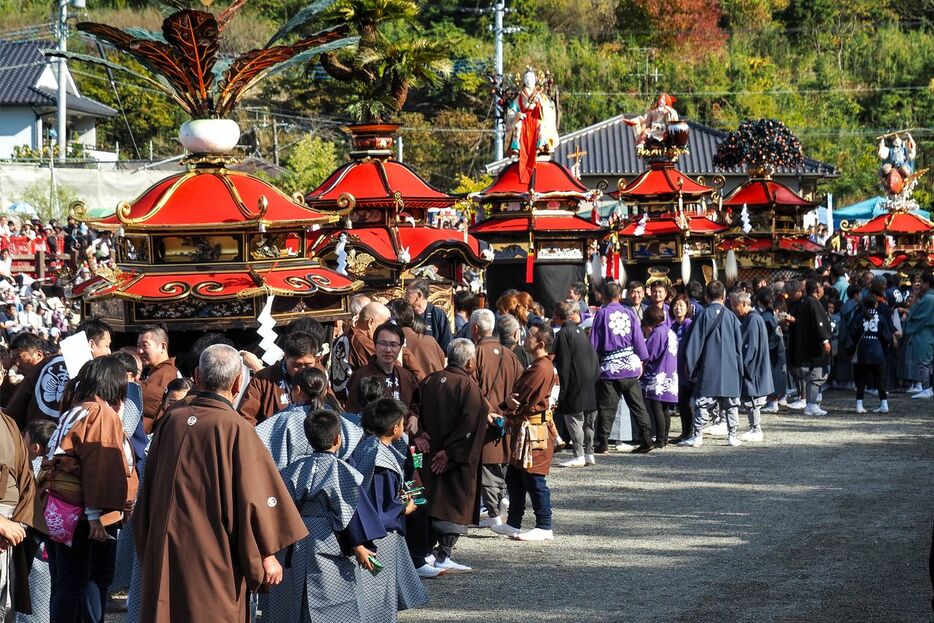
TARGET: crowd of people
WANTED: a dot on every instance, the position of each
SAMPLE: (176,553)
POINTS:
(329,485)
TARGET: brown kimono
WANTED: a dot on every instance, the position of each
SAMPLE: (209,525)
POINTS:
(15,464)
(265,396)
(153,383)
(421,354)
(534,389)
(212,508)
(22,406)
(498,369)
(454,416)
(91,467)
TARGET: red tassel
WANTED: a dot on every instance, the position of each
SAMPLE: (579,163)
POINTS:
(530,267)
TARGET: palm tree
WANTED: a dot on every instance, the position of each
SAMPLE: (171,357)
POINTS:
(383,71)
(184,55)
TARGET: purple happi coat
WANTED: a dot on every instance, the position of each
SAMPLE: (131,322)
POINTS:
(618,340)
(660,381)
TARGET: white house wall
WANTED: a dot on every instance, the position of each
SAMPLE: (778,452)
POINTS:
(16,129)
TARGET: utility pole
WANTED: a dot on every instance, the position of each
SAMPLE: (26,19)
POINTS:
(62,71)
(498,10)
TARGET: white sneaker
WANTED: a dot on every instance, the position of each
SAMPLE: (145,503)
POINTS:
(797,404)
(814,410)
(489,522)
(429,572)
(772,407)
(577,461)
(860,409)
(450,566)
(535,534)
(430,559)
(505,530)
(733,440)
(590,459)
(884,409)
(924,394)
(753,434)
(914,389)
(783,402)
(694,441)
(717,430)
(504,507)
(625,447)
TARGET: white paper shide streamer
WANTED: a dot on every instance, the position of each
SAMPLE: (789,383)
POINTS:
(640,227)
(744,217)
(271,351)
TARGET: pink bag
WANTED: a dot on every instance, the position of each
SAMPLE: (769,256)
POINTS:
(61,517)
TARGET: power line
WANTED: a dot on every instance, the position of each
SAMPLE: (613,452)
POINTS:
(744,92)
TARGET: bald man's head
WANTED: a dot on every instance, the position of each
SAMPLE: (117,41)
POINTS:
(371,316)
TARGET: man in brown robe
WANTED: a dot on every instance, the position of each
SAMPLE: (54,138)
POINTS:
(421,354)
(353,349)
(28,353)
(17,502)
(159,370)
(270,389)
(530,410)
(400,383)
(213,510)
(498,369)
(454,416)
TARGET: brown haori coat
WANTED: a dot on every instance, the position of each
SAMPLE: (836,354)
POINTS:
(211,508)
(421,354)
(534,389)
(153,382)
(454,414)
(498,369)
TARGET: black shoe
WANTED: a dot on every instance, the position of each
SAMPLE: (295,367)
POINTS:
(643,449)
(601,449)
(658,445)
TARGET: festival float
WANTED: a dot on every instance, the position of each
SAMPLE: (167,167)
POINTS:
(386,239)
(211,248)
(900,239)
(767,232)
(529,214)
(669,222)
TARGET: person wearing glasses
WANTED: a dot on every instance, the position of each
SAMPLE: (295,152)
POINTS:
(385,365)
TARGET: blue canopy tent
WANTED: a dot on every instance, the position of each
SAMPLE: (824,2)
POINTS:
(864,211)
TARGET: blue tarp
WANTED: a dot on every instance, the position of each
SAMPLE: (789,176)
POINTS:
(865,210)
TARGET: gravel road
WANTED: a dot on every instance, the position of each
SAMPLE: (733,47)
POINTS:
(828,520)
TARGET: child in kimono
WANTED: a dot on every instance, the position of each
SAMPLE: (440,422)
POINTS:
(319,577)
(392,584)
(660,379)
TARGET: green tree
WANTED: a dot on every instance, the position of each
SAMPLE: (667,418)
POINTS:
(49,202)
(311,160)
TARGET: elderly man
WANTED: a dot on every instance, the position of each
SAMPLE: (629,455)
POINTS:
(158,371)
(498,369)
(714,360)
(352,350)
(270,389)
(757,364)
(439,327)
(454,416)
(578,370)
(213,511)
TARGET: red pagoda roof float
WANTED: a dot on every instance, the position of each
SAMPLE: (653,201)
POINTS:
(765,192)
(420,243)
(377,183)
(662,179)
(210,199)
(890,262)
(537,224)
(895,223)
(550,180)
(798,244)
(668,226)
(215,285)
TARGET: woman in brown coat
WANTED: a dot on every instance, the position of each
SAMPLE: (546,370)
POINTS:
(90,464)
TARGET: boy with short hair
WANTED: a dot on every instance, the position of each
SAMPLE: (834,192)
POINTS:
(395,585)
(318,583)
